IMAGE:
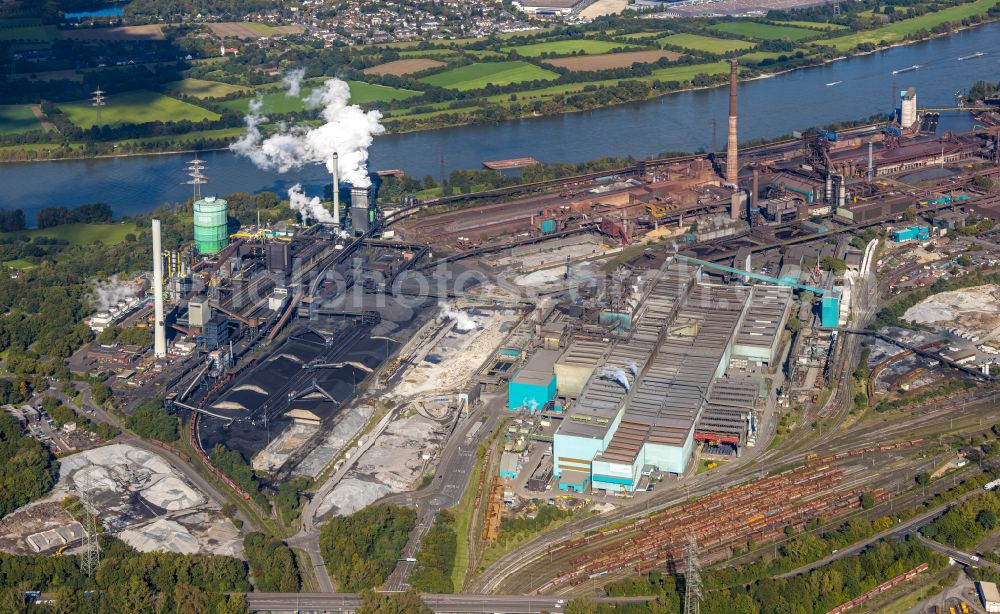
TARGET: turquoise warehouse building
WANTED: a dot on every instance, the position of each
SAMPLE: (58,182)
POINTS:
(533,387)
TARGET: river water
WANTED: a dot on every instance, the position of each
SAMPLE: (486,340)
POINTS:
(769,108)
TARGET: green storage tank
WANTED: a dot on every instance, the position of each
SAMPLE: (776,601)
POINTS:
(211,231)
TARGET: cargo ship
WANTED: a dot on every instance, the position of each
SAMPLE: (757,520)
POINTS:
(503,165)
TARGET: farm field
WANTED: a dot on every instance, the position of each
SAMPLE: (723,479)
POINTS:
(17,118)
(686,73)
(896,32)
(19,33)
(135,107)
(479,75)
(177,141)
(249,29)
(643,35)
(199,88)
(124,33)
(567,47)
(813,24)
(708,44)
(277,101)
(760,56)
(400,68)
(81,233)
(764,31)
(430,53)
(612,60)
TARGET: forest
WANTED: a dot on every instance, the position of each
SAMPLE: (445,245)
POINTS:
(361,550)
(126,581)
(27,469)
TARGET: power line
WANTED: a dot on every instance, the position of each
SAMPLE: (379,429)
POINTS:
(195,168)
(692,578)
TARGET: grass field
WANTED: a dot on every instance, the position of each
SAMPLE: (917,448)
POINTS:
(81,234)
(764,31)
(760,56)
(686,73)
(479,75)
(896,32)
(567,47)
(199,88)
(277,101)
(135,107)
(17,118)
(814,24)
(708,44)
(643,35)
(29,34)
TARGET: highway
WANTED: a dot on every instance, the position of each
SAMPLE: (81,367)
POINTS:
(443,604)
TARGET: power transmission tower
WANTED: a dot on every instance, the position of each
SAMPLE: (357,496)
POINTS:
(99,101)
(195,168)
(91,555)
(692,578)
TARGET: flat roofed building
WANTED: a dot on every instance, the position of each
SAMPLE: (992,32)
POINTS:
(989,595)
(534,385)
(759,334)
(577,364)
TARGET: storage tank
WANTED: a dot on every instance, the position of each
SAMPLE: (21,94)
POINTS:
(210,225)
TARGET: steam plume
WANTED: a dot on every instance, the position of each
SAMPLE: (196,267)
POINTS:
(310,208)
(293,81)
(348,130)
(106,294)
(615,374)
(463,321)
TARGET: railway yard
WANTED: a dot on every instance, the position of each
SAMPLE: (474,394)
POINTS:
(684,361)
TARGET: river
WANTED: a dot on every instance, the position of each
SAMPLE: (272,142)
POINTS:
(769,107)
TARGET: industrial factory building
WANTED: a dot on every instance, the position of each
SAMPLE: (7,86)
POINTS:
(651,397)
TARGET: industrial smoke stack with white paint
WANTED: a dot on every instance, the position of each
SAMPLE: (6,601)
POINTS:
(732,165)
(336,192)
(159,333)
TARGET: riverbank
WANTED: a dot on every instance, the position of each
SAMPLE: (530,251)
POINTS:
(493,110)
(769,107)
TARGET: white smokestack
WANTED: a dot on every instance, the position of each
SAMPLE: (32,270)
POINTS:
(336,190)
(160,332)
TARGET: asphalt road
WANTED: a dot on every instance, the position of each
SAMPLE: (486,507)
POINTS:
(457,462)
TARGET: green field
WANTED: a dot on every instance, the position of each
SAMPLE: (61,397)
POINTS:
(199,88)
(643,35)
(277,101)
(28,33)
(568,47)
(135,107)
(898,31)
(813,24)
(17,118)
(479,75)
(708,44)
(760,56)
(686,73)
(81,233)
(764,31)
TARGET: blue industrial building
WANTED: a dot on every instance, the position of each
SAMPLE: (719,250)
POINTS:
(911,233)
(534,385)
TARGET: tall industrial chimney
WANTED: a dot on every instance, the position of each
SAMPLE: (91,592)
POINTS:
(336,192)
(732,164)
(159,330)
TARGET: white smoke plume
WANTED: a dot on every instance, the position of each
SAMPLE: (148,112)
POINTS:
(463,321)
(106,294)
(293,81)
(348,131)
(310,208)
(615,374)
(633,367)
